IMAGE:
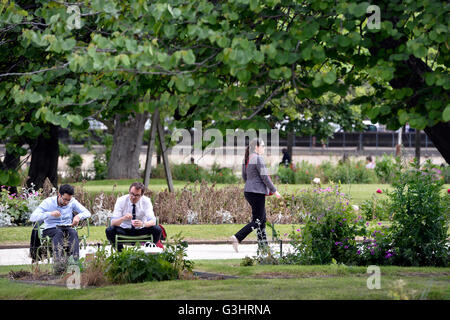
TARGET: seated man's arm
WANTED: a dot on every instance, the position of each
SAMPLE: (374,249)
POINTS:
(118,215)
(42,212)
(83,213)
(150,219)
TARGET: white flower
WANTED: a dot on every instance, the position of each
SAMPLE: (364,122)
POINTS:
(225,215)
(355,207)
(316,180)
(5,218)
(100,216)
(192,217)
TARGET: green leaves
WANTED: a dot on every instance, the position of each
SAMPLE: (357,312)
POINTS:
(188,56)
(358,10)
(9,178)
(446,113)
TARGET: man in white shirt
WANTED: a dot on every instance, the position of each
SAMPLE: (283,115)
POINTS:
(133,216)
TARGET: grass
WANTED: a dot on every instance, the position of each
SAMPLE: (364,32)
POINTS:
(333,282)
(266,282)
(357,192)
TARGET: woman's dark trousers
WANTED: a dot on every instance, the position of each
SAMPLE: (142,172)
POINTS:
(257,201)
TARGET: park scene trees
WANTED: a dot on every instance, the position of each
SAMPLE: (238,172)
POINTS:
(294,66)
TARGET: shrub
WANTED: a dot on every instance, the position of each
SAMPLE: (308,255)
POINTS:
(132,266)
(93,271)
(376,249)
(385,169)
(304,173)
(329,232)
(420,219)
(344,172)
(188,172)
(376,208)
(221,175)
(100,166)
(445,172)
(285,175)
(15,208)
(101,159)
(352,172)
(75,161)
(175,253)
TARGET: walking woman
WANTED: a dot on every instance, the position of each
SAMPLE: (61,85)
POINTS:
(257,186)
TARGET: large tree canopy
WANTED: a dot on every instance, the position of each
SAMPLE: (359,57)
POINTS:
(241,63)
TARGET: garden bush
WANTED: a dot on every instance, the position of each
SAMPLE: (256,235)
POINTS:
(74,163)
(193,172)
(329,232)
(376,248)
(344,172)
(420,216)
(376,208)
(286,175)
(15,209)
(305,173)
(221,175)
(386,168)
(445,170)
(132,266)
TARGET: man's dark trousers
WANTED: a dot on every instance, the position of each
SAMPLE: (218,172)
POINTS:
(57,235)
(111,232)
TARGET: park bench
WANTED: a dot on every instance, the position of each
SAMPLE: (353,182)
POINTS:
(144,240)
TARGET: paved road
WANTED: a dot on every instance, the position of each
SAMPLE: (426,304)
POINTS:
(194,252)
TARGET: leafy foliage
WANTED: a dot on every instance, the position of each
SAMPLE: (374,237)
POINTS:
(420,219)
(246,64)
(329,233)
(133,266)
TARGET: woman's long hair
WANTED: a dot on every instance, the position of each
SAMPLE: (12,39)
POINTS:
(251,148)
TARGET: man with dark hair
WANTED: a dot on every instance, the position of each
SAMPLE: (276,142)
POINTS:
(286,161)
(370,164)
(133,216)
(57,214)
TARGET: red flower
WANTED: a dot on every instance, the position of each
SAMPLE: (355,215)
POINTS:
(379,191)
(448,190)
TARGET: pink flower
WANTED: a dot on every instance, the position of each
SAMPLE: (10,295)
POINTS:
(448,190)
(379,191)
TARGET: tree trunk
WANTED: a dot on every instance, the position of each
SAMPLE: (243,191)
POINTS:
(440,135)
(126,149)
(44,159)
(11,161)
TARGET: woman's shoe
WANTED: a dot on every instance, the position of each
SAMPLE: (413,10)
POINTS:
(234,242)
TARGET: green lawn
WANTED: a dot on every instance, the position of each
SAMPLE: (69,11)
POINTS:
(257,282)
(357,192)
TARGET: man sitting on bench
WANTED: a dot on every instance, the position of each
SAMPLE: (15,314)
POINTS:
(133,216)
(57,214)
